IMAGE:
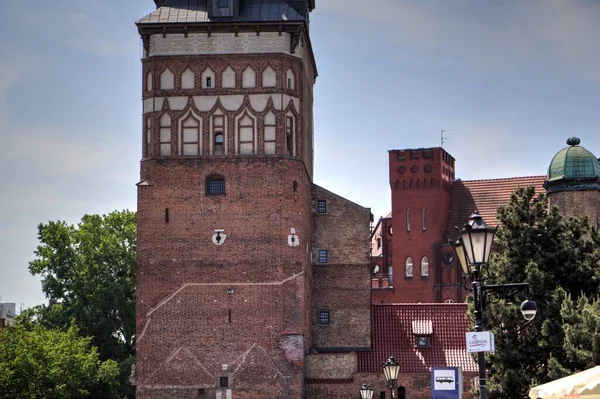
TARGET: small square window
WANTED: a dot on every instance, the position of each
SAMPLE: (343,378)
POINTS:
(423,341)
(223,382)
(324,317)
(322,256)
(321,206)
(216,187)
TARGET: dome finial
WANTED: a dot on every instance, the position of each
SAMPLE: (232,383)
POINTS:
(573,141)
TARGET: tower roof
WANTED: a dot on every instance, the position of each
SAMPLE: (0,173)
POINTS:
(197,11)
(573,162)
(573,166)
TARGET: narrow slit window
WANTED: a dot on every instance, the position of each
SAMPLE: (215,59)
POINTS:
(270,133)
(209,82)
(218,126)
(423,225)
(408,219)
(289,135)
(166,215)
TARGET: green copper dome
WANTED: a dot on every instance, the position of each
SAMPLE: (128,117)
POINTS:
(574,166)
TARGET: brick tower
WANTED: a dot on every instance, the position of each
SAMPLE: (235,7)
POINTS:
(224,202)
(421,185)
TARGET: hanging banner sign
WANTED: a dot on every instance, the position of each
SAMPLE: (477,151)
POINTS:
(482,341)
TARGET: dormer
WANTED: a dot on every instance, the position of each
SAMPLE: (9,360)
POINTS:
(224,8)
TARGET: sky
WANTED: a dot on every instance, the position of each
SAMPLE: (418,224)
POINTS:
(509,80)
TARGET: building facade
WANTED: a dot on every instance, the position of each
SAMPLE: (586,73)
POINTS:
(412,261)
(246,277)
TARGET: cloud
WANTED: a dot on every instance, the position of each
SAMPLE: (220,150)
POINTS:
(539,34)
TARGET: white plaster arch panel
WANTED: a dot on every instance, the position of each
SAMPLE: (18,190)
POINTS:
(286,100)
(232,103)
(246,113)
(269,77)
(188,79)
(180,131)
(177,103)
(290,79)
(167,80)
(208,75)
(205,103)
(149,81)
(249,78)
(228,78)
(259,101)
(211,134)
(153,104)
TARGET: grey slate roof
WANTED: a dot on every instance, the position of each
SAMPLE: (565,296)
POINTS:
(196,11)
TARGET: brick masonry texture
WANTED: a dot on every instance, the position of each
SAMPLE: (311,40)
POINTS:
(578,204)
(342,285)
(188,324)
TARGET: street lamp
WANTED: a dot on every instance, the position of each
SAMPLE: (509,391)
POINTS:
(390,369)
(473,250)
(366,392)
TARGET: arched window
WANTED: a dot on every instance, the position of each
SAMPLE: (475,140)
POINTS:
(218,126)
(290,134)
(190,136)
(165,135)
(423,219)
(408,267)
(407,219)
(424,267)
(215,185)
(245,134)
(270,133)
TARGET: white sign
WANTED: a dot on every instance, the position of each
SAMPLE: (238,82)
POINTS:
(480,341)
(444,380)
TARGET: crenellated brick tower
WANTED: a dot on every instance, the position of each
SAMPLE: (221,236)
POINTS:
(226,206)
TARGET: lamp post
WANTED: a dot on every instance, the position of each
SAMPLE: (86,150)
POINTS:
(473,252)
(366,392)
(390,370)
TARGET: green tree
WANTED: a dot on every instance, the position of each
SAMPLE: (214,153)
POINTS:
(36,362)
(88,275)
(559,259)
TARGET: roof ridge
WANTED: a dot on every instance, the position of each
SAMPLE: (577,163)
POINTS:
(505,178)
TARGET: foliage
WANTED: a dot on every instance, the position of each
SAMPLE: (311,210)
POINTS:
(559,259)
(88,275)
(36,362)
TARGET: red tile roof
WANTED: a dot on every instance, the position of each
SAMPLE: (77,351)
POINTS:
(393,335)
(485,196)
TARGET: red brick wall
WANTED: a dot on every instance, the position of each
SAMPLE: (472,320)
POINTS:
(342,286)
(183,327)
(419,179)
(578,204)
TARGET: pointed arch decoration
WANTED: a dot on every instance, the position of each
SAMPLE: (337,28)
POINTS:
(188,79)
(218,130)
(249,78)
(245,132)
(167,80)
(149,81)
(190,137)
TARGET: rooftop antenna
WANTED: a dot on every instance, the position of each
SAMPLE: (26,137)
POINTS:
(442,137)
